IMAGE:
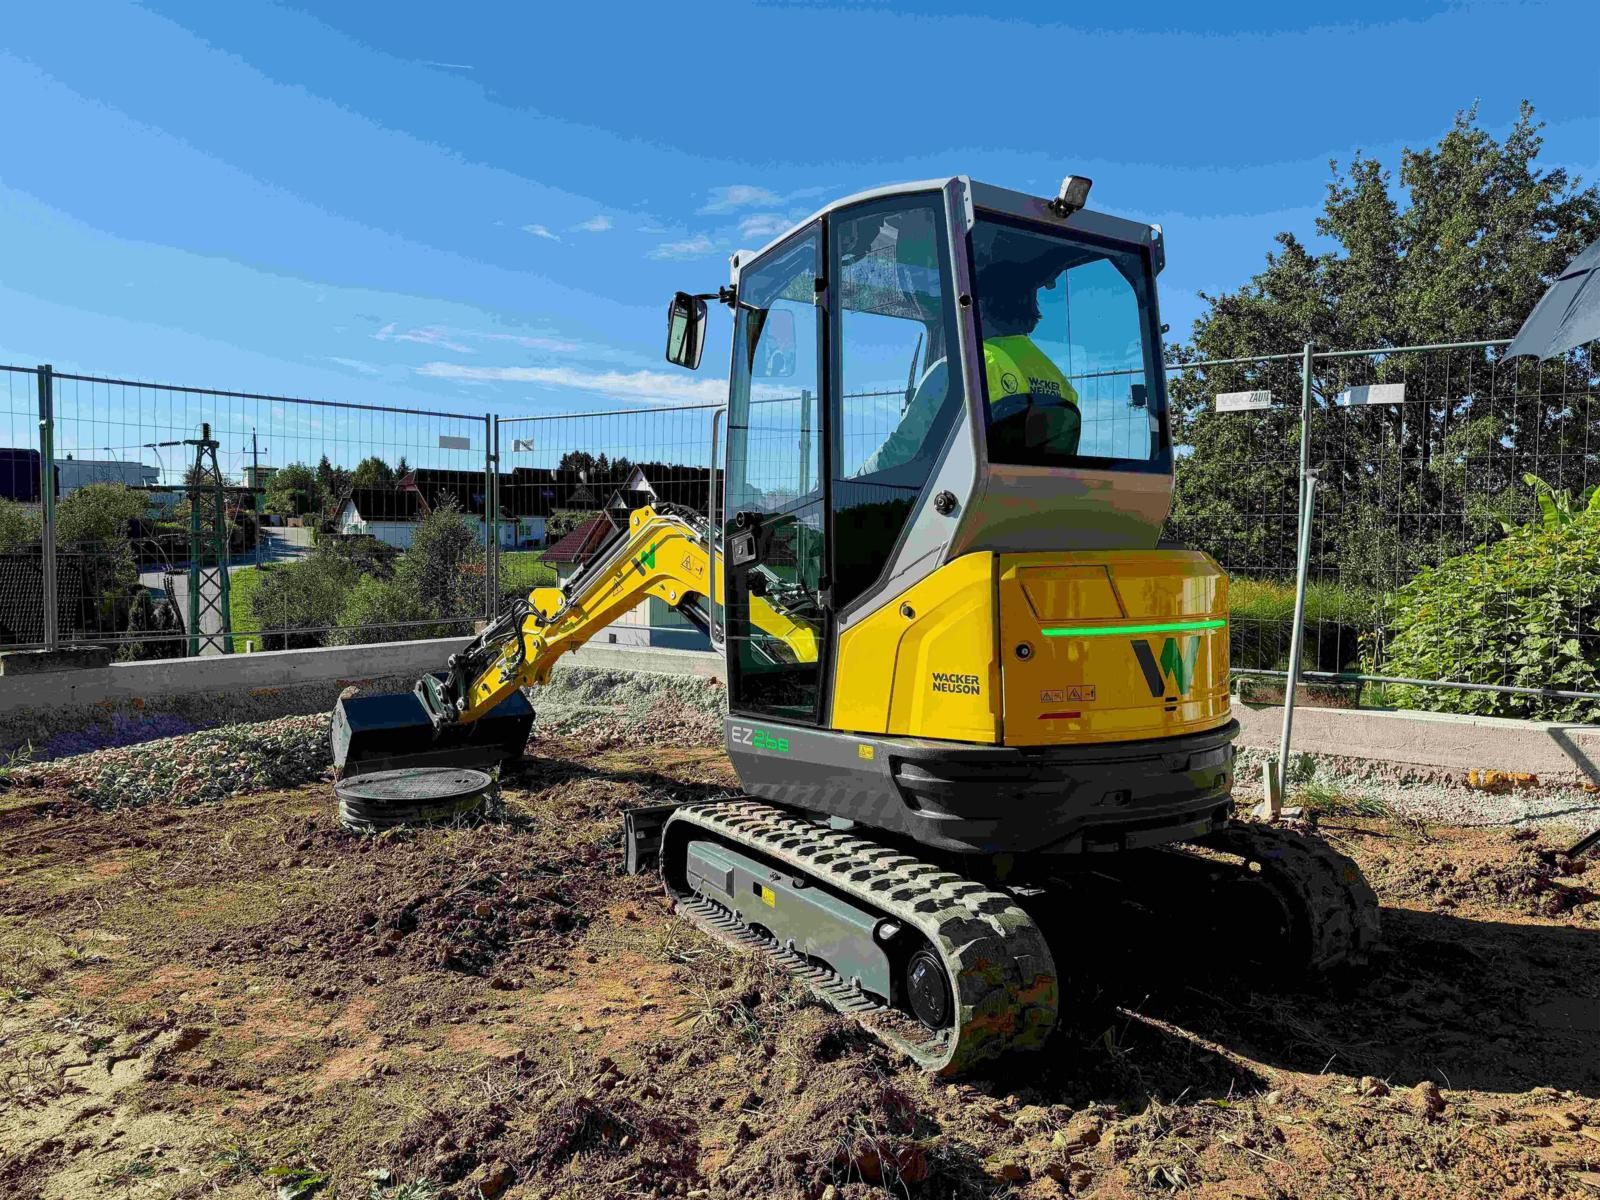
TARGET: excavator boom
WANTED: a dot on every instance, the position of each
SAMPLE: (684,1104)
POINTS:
(471,712)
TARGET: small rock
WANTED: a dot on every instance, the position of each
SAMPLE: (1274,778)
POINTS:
(1273,1097)
(829,1193)
(1427,1099)
(483,910)
(504,983)
(493,1179)
(1007,1169)
(1032,1116)
(1370,1086)
(1084,1131)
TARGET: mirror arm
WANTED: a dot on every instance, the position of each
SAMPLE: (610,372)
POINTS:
(725,295)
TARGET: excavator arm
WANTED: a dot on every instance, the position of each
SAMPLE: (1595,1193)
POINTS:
(664,552)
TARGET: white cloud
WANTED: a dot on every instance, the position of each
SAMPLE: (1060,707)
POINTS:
(431,335)
(763,225)
(739,195)
(657,386)
(598,224)
(457,339)
(530,342)
(355,364)
(696,247)
(540,231)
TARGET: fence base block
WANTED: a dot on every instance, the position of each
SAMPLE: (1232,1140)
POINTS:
(66,658)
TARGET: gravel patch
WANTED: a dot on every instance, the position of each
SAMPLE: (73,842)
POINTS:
(210,765)
(611,707)
(1430,794)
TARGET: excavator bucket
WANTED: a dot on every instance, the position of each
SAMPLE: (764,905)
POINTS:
(386,733)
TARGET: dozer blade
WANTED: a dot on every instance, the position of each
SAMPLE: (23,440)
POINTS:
(385,733)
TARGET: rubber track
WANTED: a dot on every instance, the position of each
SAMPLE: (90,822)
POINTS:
(1338,907)
(1004,978)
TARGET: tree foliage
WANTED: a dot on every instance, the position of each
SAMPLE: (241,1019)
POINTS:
(294,491)
(19,528)
(372,472)
(1461,251)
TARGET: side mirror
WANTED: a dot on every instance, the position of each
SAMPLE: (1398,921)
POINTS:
(686,331)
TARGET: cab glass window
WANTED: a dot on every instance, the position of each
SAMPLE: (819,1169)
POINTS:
(1070,366)
(898,397)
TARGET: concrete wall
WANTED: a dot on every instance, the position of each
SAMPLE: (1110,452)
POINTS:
(250,686)
(1431,741)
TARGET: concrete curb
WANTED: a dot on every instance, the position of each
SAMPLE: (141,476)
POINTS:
(1445,742)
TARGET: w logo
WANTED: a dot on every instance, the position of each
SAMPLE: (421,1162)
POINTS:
(1176,664)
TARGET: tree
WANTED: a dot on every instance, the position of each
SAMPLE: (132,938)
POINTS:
(1462,252)
(294,491)
(97,522)
(19,528)
(335,483)
(401,468)
(437,584)
(98,516)
(372,472)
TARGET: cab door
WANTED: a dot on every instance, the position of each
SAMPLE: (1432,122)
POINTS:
(774,540)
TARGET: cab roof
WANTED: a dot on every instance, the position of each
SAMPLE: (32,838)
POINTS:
(973,197)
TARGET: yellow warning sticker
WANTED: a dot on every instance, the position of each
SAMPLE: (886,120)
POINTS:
(768,896)
(866,750)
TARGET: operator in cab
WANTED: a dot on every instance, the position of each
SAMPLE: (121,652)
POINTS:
(1031,404)
(1033,409)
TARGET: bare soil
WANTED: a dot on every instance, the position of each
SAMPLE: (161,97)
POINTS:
(241,999)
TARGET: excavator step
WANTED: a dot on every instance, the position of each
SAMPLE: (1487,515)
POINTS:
(386,733)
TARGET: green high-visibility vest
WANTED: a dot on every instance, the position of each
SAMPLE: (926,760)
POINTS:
(1023,379)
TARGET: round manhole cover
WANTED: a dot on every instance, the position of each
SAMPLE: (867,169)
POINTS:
(416,785)
(415,796)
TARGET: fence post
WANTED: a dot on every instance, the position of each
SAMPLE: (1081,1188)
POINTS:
(491,516)
(47,500)
(1302,566)
(714,533)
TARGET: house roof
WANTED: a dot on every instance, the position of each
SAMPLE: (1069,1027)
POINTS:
(385,504)
(580,545)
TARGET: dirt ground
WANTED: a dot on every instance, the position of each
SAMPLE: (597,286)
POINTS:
(240,999)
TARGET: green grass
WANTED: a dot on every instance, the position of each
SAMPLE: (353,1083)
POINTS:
(524,569)
(1269,601)
(242,587)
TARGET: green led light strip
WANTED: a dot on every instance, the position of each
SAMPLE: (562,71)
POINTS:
(1114,630)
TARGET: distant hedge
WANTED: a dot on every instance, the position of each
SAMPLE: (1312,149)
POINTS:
(1524,612)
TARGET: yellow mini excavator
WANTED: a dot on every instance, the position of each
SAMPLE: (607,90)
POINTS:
(961,664)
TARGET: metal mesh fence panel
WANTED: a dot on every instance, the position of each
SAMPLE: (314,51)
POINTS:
(1429,460)
(22,608)
(1423,461)
(210,521)
(567,481)
(1236,493)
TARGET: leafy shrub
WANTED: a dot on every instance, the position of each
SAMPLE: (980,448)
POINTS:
(382,610)
(367,554)
(1522,612)
(294,602)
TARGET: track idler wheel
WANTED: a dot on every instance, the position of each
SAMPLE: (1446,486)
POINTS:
(1329,913)
(928,989)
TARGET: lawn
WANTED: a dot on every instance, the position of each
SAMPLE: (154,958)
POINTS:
(242,587)
(525,569)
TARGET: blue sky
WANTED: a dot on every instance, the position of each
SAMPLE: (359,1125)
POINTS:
(473,207)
